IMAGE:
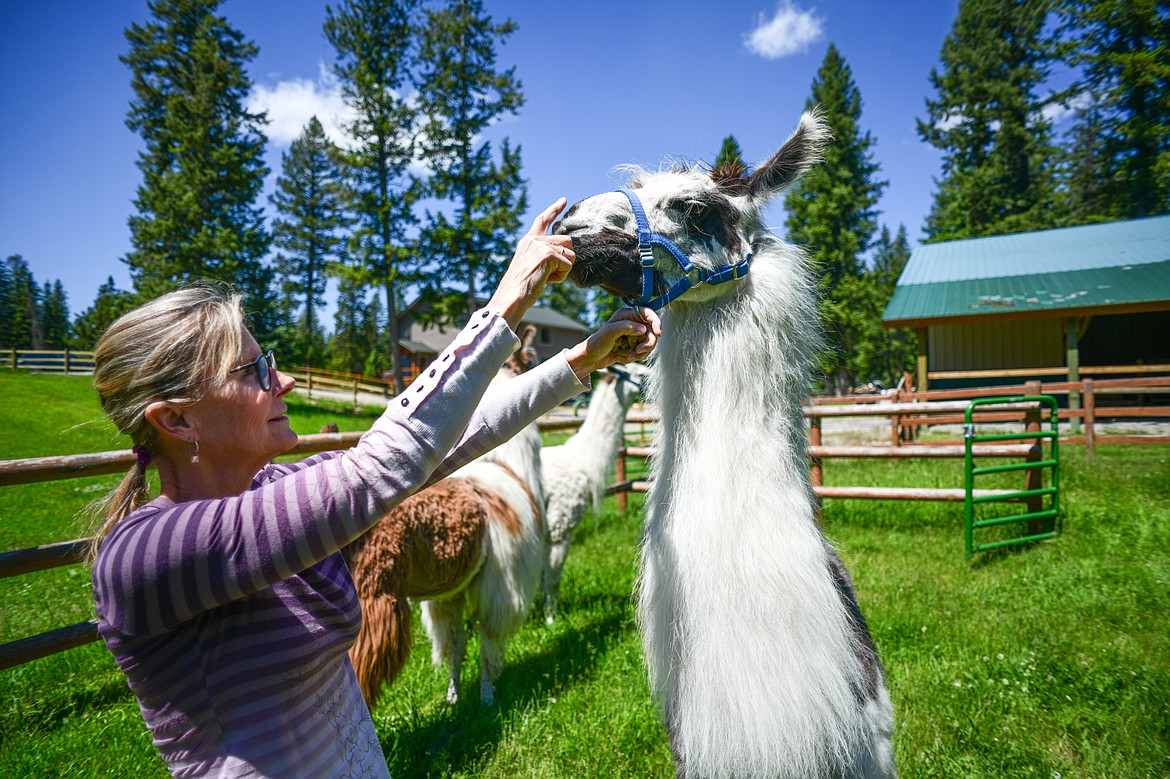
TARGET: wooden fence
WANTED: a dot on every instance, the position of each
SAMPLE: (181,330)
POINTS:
(1096,400)
(46,556)
(908,412)
(48,360)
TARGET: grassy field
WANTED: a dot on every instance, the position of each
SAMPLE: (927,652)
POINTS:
(1049,660)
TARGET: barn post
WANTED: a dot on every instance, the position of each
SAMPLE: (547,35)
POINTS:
(920,379)
(816,473)
(1073,361)
(1034,478)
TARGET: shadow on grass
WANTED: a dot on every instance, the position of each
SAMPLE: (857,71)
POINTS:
(455,739)
(46,698)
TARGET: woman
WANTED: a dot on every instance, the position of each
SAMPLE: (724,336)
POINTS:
(225,600)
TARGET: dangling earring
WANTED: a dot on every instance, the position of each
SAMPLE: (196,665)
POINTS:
(194,451)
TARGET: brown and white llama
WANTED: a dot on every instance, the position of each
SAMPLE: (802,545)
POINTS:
(474,540)
(756,647)
(577,471)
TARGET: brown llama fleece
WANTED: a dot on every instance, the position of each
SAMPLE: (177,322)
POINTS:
(440,544)
(431,544)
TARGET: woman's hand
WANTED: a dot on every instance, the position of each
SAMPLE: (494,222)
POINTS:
(540,259)
(629,335)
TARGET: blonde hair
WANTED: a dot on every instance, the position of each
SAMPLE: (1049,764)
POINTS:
(172,348)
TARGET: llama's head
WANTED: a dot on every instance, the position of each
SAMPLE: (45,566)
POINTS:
(524,358)
(710,215)
(628,380)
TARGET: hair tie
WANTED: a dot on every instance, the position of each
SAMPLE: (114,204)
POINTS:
(143,455)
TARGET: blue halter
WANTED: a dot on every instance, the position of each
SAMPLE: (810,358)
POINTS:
(648,239)
(624,375)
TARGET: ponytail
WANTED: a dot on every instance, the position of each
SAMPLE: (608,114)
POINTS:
(131,493)
(165,349)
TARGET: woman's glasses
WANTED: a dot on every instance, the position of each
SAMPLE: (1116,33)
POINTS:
(265,366)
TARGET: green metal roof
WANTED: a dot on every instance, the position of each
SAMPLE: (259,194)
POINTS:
(1119,264)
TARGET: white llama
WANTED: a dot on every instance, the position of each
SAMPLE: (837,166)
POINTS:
(756,647)
(475,539)
(500,595)
(577,471)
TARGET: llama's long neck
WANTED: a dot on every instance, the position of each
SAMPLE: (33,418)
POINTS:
(736,599)
(596,442)
(520,454)
(731,383)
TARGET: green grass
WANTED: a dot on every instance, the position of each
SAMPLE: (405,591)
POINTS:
(1045,660)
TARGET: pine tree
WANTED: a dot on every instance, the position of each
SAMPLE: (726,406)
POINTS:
(355,326)
(730,157)
(461,94)
(7,341)
(109,304)
(202,165)
(21,307)
(832,211)
(311,208)
(997,174)
(1122,141)
(372,40)
(895,349)
(568,299)
(1090,191)
(53,313)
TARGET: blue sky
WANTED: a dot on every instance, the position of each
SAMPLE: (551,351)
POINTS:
(606,82)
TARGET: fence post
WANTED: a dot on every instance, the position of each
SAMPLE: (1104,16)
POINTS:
(14,358)
(66,362)
(619,476)
(816,473)
(1090,410)
(1034,477)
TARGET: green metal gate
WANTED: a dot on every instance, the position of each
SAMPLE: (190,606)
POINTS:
(1042,516)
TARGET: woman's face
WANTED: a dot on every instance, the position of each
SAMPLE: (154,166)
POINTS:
(239,424)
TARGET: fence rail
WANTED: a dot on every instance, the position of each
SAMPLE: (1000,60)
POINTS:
(48,360)
(1084,408)
(40,558)
(907,411)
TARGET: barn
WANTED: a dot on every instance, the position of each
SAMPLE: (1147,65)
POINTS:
(419,343)
(1086,301)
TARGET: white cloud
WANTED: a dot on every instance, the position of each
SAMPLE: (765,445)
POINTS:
(1055,113)
(949,122)
(290,105)
(790,31)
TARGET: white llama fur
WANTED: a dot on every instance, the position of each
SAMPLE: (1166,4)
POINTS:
(500,594)
(577,471)
(755,646)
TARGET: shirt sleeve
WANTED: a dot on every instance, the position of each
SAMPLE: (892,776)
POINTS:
(159,567)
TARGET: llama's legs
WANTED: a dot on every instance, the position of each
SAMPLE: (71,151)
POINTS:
(551,576)
(443,620)
(491,662)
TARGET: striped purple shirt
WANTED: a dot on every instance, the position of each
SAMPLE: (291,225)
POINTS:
(232,618)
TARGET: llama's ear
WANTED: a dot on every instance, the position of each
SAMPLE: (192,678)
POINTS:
(801,151)
(527,337)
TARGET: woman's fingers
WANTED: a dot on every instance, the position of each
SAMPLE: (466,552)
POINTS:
(562,259)
(545,218)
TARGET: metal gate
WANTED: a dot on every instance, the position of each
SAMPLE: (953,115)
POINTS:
(1041,518)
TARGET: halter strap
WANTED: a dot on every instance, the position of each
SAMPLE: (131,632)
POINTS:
(647,239)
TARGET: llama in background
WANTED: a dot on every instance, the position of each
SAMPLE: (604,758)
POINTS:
(756,646)
(577,471)
(475,539)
